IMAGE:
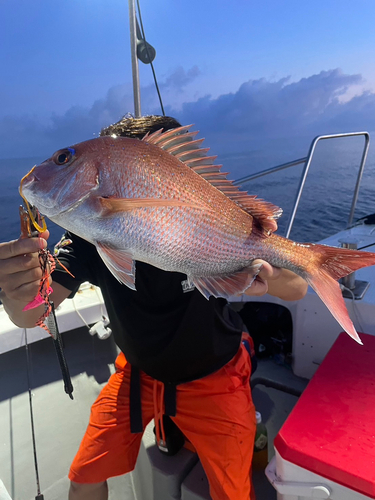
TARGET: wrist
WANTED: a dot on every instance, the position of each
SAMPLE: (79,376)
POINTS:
(14,309)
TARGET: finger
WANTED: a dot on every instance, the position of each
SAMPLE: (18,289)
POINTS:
(21,246)
(267,271)
(25,293)
(12,282)
(19,264)
(257,288)
(44,235)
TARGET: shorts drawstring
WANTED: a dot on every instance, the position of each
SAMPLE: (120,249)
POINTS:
(158,415)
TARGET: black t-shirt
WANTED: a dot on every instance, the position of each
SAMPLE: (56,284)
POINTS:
(172,335)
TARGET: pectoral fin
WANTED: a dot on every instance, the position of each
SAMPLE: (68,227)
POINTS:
(112,206)
(119,262)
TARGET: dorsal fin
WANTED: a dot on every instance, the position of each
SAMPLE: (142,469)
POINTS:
(180,143)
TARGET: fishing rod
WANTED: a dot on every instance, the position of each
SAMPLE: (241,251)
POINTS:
(31,220)
(39,495)
(32,225)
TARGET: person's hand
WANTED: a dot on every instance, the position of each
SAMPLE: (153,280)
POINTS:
(278,282)
(20,271)
(260,284)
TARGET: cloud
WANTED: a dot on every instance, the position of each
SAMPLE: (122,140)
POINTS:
(258,109)
(27,136)
(180,78)
(264,108)
(22,137)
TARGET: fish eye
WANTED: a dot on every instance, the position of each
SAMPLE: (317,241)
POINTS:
(64,156)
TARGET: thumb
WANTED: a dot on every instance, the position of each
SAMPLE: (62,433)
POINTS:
(44,234)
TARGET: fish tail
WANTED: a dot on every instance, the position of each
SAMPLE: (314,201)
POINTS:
(326,267)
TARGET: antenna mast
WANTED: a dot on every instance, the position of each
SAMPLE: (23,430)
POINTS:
(133,49)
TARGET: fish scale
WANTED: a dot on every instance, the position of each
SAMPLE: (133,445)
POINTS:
(163,201)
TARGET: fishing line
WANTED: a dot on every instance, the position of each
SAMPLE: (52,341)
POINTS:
(149,58)
(39,495)
(366,246)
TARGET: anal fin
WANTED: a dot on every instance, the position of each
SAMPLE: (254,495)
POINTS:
(227,286)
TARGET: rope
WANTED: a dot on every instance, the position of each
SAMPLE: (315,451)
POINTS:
(148,55)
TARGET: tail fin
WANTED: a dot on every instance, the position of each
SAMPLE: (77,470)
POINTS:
(327,266)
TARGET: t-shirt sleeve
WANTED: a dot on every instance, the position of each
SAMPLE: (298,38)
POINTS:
(77,256)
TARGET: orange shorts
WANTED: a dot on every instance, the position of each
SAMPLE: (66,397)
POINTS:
(215,413)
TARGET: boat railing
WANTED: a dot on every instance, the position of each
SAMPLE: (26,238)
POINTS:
(307,162)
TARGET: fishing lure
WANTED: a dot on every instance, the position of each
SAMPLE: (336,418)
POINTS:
(46,261)
(33,224)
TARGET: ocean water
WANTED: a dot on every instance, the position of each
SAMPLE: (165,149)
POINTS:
(325,203)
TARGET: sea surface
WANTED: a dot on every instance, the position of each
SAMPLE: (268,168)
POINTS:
(325,202)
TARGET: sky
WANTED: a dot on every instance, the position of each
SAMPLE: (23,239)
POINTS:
(242,70)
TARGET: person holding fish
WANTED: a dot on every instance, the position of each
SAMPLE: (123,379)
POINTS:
(168,239)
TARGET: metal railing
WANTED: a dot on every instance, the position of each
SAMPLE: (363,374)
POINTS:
(307,161)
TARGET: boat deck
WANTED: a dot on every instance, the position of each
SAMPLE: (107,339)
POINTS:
(60,423)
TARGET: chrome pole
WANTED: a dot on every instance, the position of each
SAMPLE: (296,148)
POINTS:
(359,177)
(272,170)
(133,49)
(307,166)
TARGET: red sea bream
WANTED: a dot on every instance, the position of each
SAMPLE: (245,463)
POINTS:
(161,200)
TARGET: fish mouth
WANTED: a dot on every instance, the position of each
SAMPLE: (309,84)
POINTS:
(29,180)
(26,183)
